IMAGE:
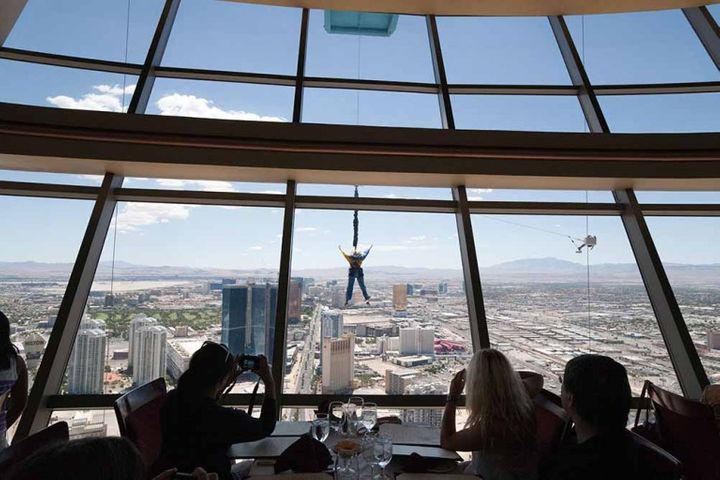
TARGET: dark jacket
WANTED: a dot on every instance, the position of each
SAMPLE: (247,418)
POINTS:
(198,433)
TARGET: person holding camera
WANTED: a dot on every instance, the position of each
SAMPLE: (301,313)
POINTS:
(196,429)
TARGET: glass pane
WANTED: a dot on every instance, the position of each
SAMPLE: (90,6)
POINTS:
(646,47)
(46,177)
(35,265)
(546,303)
(518,112)
(678,197)
(577,196)
(662,113)
(107,30)
(715,11)
(88,423)
(372,191)
(693,267)
(223,100)
(170,277)
(234,36)
(414,330)
(493,50)
(204,185)
(358,107)
(403,55)
(64,87)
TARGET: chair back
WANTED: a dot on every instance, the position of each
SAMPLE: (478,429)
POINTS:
(660,464)
(138,417)
(687,430)
(552,424)
(18,451)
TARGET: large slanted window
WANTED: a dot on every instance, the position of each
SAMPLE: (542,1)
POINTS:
(546,303)
(693,267)
(117,30)
(413,332)
(37,251)
(62,87)
(171,277)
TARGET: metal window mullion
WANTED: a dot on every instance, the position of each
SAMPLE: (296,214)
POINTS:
(279,349)
(446,114)
(707,30)
(471,271)
(60,344)
(10,11)
(300,75)
(141,96)
(586,95)
(680,346)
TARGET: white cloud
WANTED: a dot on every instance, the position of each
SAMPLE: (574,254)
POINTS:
(106,98)
(306,229)
(204,185)
(477,193)
(255,248)
(136,215)
(178,104)
(418,238)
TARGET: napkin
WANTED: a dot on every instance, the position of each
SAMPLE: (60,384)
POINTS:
(306,455)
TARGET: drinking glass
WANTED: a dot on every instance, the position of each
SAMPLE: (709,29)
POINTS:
(368,452)
(336,412)
(347,466)
(383,452)
(349,419)
(369,416)
(320,427)
(355,407)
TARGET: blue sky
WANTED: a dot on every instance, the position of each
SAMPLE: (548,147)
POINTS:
(618,49)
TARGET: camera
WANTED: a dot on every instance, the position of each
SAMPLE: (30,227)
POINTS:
(248,362)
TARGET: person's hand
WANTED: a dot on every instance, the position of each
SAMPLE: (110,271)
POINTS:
(200,474)
(167,474)
(457,384)
(263,369)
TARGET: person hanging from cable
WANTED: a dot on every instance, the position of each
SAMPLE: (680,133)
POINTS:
(355,260)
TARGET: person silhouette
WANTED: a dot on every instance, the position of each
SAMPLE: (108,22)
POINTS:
(355,272)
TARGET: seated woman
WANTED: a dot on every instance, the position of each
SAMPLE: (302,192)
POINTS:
(500,430)
(13,382)
(196,429)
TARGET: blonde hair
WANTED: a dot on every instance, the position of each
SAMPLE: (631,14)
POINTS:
(498,404)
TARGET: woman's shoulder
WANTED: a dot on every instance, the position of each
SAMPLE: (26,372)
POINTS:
(15,367)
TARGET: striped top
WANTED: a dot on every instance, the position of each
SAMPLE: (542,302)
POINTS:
(8,377)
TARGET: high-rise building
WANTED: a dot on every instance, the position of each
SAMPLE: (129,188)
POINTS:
(295,299)
(714,340)
(331,324)
(86,367)
(338,365)
(150,352)
(248,318)
(410,289)
(417,341)
(34,346)
(428,416)
(338,297)
(400,297)
(442,288)
(138,321)
(397,381)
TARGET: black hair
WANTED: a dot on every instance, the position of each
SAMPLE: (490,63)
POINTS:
(109,458)
(600,389)
(208,366)
(7,349)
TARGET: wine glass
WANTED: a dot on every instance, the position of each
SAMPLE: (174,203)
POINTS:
(383,452)
(369,416)
(355,407)
(336,413)
(320,427)
(368,453)
(349,418)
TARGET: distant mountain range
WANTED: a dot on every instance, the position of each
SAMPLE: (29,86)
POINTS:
(523,270)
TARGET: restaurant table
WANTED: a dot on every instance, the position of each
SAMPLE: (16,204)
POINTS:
(290,429)
(273,446)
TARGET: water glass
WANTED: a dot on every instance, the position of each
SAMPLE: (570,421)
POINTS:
(368,453)
(349,419)
(369,416)
(355,407)
(383,452)
(336,412)
(347,466)
(320,427)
